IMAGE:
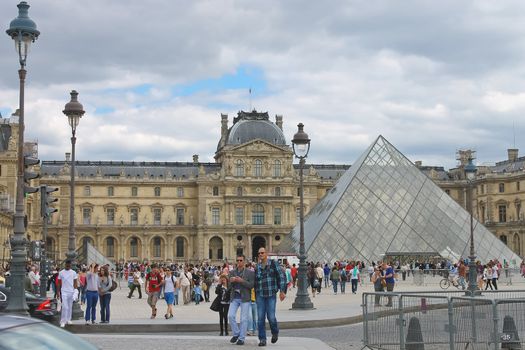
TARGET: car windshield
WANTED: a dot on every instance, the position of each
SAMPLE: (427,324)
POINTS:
(41,336)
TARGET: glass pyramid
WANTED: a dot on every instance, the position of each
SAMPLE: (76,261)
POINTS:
(384,205)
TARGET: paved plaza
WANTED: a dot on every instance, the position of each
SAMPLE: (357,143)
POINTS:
(132,316)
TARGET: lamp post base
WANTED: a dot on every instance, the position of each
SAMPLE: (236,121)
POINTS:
(302,303)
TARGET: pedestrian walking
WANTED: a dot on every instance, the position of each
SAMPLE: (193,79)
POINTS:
(170,284)
(104,286)
(241,282)
(224,296)
(92,281)
(269,281)
(67,284)
(153,285)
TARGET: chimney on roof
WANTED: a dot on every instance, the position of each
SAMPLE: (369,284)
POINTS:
(513,154)
(224,125)
(279,121)
(195,159)
(418,163)
(68,157)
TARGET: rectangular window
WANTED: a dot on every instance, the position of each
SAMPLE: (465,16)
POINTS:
(215,191)
(239,216)
(215,218)
(87,191)
(157,216)
(502,211)
(110,248)
(110,191)
(180,192)
(518,211)
(134,216)
(517,186)
(277,214)
(157,191)
(134,191)
(86,216)
(501,187)
(180,216)
(110,215)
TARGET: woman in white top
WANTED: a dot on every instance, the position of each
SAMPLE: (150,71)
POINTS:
(170,283)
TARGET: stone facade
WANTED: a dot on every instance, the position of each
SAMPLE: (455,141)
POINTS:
(192,211)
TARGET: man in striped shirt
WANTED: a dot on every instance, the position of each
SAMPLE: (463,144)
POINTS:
(269,279)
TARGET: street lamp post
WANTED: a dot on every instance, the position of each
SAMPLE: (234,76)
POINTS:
(470,172)
(23,31)
(301,147)
(74,111)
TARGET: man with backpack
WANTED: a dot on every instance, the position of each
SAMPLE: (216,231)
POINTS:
(152,287)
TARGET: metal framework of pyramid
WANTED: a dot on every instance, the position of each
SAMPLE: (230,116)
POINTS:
(384,205)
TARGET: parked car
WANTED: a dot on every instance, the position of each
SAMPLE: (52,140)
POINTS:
(18,332)
(39,307)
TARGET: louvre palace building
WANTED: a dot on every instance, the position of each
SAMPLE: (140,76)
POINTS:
(194,211)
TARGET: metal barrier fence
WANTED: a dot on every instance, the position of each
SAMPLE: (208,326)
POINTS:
(444,320)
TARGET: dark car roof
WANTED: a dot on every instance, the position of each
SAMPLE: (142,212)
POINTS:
(10,321)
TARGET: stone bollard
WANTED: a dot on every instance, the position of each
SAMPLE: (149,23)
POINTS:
(414,339)
(509,337)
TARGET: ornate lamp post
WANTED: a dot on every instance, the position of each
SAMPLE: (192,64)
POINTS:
(301,147)
(470,172)
(74,111)
(23,31)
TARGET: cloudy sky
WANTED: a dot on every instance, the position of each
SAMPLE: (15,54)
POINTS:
(154,76)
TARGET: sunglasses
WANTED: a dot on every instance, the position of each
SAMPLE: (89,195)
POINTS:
(240,260)
(261,253)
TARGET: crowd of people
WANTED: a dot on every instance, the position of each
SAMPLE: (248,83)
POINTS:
(250,288)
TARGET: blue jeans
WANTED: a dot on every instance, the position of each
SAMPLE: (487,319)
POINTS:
(266,309)
(334,284)
(354,285)
(104,307)
(91,308)
(232,313)
(343,286)
(252,320)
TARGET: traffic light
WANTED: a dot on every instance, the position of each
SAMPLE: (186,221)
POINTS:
(46,199)
(30,175)
(36,250)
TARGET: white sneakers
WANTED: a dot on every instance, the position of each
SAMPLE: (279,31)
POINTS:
(62,325)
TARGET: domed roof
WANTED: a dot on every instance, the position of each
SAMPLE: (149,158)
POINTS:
(254,125)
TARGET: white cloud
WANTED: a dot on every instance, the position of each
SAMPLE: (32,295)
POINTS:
(431,77)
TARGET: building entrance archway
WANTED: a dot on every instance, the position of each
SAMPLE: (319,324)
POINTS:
(257,242)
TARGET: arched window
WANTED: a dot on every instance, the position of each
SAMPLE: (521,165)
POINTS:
(180,247)
(258,215)
(503,238)
(134,247)
(239,168)
(215,251)
(257,168)
(157,247)
(110,247)
(277,168)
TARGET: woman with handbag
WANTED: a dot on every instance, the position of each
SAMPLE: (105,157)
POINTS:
(223,295)
(378,281)
(104,290)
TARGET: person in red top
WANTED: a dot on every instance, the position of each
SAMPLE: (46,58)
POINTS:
(293,271)
(153,285)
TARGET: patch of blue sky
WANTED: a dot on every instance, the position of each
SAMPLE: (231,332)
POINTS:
(104,110)
(245,77)
(6,112)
